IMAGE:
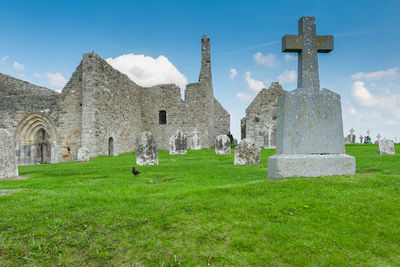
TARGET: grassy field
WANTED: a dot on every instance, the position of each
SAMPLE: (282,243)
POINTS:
(199,209)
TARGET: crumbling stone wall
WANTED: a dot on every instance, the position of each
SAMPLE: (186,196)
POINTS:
(103,110)
(260,122)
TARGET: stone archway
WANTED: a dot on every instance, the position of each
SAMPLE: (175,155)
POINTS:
(35,140)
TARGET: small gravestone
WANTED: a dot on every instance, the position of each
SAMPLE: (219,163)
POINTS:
(222,145)
(83,154)
(361,139)
(178,143)
(310,128)
(351,138)
(386,146)
(247,153)
(146,149)
(195,142)
(8,160)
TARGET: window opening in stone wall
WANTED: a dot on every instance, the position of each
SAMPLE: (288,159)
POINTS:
(274,118)
(110,146)
(256,119)
(162,117)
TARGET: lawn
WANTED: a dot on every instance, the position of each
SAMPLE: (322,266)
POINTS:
(199,209)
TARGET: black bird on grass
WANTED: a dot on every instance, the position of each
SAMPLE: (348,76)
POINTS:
(134,171)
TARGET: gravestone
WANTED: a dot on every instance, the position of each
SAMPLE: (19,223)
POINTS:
(386,146)
(361,139)
(8,160)
(146,149)
(222,145)
(83,154)
(310,128)
(178,143)
(234,142)
(351,138)
(247,153)
(378,139)
(195,142)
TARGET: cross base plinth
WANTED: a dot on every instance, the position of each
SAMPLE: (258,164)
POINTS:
(303,165)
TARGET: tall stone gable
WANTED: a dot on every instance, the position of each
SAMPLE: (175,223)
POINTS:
(103,110)
(260,122)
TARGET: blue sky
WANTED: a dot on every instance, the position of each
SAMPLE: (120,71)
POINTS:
(43,42)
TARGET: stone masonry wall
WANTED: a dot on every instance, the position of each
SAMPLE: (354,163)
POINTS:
(111,108)
(261,117)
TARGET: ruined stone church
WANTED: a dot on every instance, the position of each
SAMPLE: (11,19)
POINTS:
(103,110)
(261,118)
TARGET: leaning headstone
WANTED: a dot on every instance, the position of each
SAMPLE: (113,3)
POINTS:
(146,149)
(195,142)
(83,154)
(310,128)
(178,143)
(247,153)
(222,145)
(386,146)
(8,160)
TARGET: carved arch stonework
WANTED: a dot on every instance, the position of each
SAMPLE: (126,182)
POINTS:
(35,140)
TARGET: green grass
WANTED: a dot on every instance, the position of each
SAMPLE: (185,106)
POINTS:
(199,209)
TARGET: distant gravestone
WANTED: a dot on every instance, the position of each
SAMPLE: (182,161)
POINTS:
(83,154)
(222,145)
(178,143)
(234,142)
(361,139)
(8,160)
(146,149)
(378,139)
(386,146)
(195,142)
(247,153)
(310,128)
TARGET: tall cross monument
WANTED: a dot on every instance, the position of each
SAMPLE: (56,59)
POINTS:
(309,137)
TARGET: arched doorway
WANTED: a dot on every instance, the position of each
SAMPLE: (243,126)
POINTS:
(110,146)
(35,140)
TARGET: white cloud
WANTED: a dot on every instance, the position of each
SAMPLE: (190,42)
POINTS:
(352,111)
(18,66)
(56,79)
(289,57)
(243,96)
(253,84)
(37,75)
(148,71)
(233,73)
(4,59)
(389,74)
(287,76)
(269,60)
(361,95)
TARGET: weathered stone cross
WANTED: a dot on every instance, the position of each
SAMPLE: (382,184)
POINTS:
(352,131)
(307,44)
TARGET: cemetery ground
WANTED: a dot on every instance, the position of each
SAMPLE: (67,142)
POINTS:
(200,209)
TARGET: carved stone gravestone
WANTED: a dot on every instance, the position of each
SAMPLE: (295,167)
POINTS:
(83,154)
(310,128)
(146,149)
(8,160)
(178,143)
(361,139)
(351,138)
(386,146)
(247,153)
(222,145)
(195,142)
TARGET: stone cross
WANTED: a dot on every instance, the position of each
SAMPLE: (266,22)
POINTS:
(379,136)
(352,131)
(307,44)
